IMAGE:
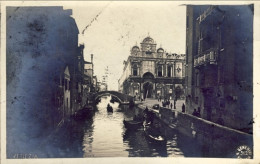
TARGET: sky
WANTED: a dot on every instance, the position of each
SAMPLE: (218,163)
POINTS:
(110,29)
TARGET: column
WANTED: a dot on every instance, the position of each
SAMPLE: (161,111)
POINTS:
(174,69)
(172,74)
(141,88)
(166,69)
(154,90)
(162,70)
(183,69)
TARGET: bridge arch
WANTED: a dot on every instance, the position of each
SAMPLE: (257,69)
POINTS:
(122,98)
(112,95)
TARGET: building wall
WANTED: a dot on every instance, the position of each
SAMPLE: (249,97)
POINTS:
(215,69)
(192,13)
(66,87)
(125,75)
(150,72)
(147,66)
(40,42)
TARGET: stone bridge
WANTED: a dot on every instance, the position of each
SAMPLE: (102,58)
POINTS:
(120,97)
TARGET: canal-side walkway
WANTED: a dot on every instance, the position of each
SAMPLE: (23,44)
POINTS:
(166,114)
(150,102)
(214,138)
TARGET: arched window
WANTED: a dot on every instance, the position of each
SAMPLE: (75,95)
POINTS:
(160,69)
(135,70)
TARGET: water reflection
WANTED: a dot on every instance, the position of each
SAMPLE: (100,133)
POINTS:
(107,100)
(106,139)
(104,135)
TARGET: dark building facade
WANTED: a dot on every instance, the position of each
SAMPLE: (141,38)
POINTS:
(45,68)
(219,64)
(152,73)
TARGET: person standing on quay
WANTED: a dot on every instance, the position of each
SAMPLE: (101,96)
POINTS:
(183,108)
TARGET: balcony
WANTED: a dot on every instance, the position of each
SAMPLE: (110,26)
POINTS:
(208,57)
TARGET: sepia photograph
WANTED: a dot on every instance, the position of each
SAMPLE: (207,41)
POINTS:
(129,81)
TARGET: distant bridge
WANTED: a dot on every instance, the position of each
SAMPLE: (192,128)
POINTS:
(120,97)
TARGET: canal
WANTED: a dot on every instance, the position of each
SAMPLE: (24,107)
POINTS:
(104,135)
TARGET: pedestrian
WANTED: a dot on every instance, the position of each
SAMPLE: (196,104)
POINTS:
(194,112)
(171,105)
(198,114)
(160,98)
(183,108)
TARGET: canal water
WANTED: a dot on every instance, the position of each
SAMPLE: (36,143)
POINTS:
(104,135)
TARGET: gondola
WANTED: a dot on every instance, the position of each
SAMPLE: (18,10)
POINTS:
(109,108)
(152,136)
(132,124)
(84,113)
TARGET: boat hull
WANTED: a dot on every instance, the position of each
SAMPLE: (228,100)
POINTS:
(85,113)
(154,139)
(133,125)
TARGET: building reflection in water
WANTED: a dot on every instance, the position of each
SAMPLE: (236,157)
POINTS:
(104,135)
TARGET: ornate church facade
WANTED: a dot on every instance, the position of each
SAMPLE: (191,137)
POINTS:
(153,73)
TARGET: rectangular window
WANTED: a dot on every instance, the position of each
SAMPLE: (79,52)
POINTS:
(160,71)
(135,72)
(169,71)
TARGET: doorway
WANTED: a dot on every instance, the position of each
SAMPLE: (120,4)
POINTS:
(148,89)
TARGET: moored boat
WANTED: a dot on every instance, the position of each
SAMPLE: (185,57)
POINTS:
(84,113)
(153,135)
(132,124)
